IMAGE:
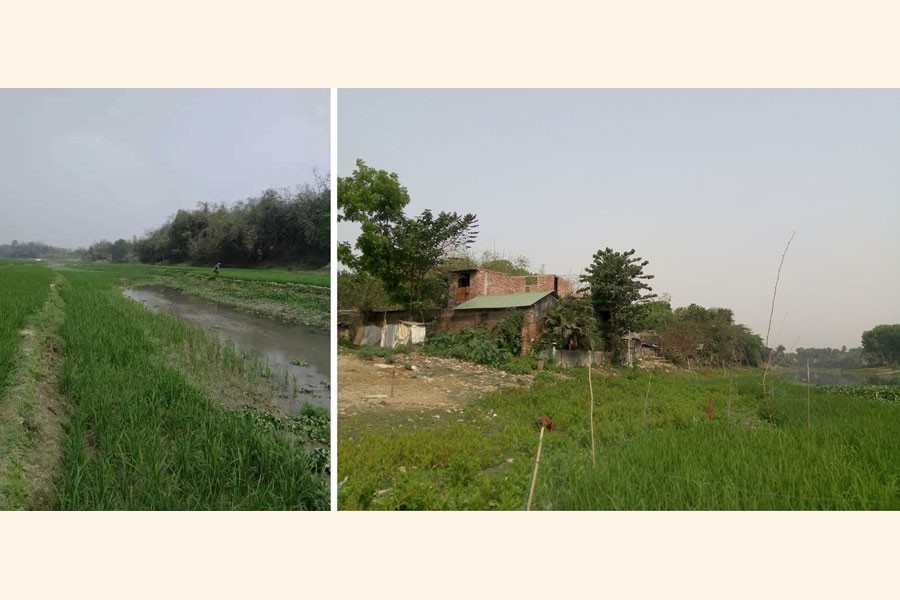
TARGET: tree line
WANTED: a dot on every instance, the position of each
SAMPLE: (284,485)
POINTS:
(826,358)
(277,227)
(617,300)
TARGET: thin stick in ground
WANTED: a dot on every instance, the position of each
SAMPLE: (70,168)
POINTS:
(545,423)
(647,400)
(730,386)
(808,418)
(591,388)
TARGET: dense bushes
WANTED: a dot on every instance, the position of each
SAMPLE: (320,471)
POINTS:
(498,346)
(508,333)
(474,344)
(362,292)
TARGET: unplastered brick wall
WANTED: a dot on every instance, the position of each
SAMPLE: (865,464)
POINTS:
(485,282)
(531,331)
(454,321)
(534,323)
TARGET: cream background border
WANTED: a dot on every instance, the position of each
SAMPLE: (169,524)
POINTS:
(396,43)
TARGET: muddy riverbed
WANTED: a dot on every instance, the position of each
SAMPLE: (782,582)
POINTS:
(279,344)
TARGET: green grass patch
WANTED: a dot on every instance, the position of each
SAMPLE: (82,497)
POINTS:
(656,452)
(29,430)
(23,289)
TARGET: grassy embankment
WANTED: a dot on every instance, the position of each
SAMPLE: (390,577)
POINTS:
(661,454)
(301,297)
(24,331)
(142,425)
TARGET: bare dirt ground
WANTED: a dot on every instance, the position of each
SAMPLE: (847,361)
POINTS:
(430,383)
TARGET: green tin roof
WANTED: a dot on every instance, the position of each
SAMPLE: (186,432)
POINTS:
(503,301)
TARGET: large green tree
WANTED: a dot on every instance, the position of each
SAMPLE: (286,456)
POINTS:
(118,251)
(882,344)
(404,253)
(617,284)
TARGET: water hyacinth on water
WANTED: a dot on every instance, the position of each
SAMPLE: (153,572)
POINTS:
(888,393)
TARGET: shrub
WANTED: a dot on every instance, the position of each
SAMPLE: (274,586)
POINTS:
(520,365)
(508,333)
(388,354)
(475,344)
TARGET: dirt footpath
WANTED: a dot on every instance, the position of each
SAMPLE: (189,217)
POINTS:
(431,382)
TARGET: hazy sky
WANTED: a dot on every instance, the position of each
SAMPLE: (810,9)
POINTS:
(705,184)
(81,165)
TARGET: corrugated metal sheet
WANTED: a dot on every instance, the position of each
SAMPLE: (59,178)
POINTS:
(416,332)
(393,335)
(503,301)
(371,336)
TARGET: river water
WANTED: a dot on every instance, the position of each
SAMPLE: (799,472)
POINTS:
(838,377)
(279,344)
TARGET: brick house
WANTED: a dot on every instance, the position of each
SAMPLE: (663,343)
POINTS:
(486,310)
(467,284)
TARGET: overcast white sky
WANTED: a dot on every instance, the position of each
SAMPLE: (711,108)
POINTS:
(81,165)
(705,184)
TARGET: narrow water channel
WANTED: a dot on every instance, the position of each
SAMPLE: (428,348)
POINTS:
(279,344)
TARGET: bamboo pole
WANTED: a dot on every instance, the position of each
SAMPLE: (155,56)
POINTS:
(537,463)
(591,388)
(766,391)
(647,400)
(808,419)
(730,382)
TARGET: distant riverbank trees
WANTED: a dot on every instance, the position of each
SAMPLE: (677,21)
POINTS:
(18,249)
(826,358)
(278,227)
(704,336)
